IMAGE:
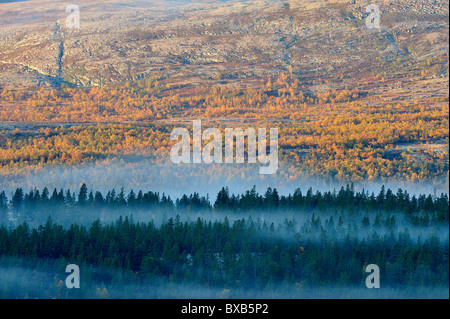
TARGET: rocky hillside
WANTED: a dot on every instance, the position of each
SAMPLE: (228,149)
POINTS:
(227,42)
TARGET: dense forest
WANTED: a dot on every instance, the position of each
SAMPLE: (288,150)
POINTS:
(421,209)
(300,245)
(343,134)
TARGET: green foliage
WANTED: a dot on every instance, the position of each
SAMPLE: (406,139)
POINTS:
(339,234)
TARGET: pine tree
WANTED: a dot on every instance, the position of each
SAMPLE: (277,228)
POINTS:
(82,195)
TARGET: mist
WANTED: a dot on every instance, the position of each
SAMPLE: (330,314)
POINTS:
(176,180)
(24,281)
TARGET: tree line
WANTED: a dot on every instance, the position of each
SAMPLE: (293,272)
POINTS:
(346,198)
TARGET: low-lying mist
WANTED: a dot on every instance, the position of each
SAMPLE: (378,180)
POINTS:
(26,283)
(171,241)
(176,180)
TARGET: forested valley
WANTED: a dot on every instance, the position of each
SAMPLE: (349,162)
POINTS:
(308,244)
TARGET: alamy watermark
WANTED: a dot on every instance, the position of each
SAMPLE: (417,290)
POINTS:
(212,152)
(373,20)
(373,280)
(73,19)
(73,280)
